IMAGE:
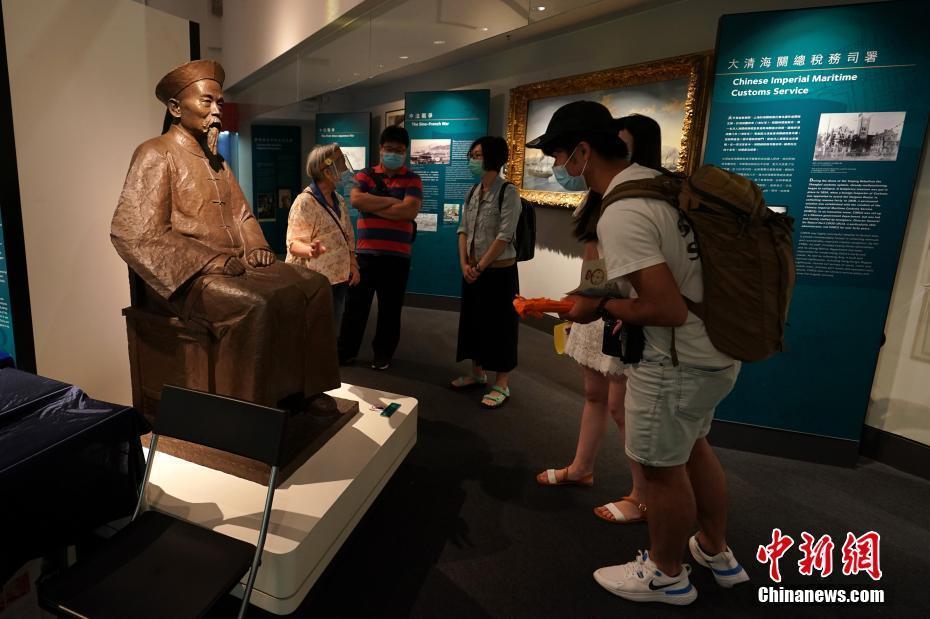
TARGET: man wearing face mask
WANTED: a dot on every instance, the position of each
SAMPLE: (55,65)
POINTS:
(669,406)
(388,198)
(183,225)
(319,232)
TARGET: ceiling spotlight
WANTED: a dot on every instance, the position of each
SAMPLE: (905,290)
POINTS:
(484,29)
(355,74)
(380,66)
(439,42)
(540,8)
(404,57)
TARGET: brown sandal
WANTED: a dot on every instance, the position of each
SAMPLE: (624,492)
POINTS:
(617,516)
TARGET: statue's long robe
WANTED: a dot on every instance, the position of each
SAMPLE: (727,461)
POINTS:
(180,209)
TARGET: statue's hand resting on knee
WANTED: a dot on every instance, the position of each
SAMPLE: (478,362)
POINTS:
(260,257)
(233,267)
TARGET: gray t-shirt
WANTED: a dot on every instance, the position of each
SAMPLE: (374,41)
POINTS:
(637,233)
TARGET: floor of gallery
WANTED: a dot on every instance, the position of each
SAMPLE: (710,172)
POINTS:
(463,529)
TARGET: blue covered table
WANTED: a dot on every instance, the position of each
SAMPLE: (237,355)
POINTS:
(68,464)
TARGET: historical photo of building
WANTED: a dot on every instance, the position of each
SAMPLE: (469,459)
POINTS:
(425,152)
(859,136)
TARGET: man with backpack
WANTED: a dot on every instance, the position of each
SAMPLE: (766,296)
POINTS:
(674,389)
(388,198)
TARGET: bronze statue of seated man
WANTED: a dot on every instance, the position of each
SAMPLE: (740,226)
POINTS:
(183,225)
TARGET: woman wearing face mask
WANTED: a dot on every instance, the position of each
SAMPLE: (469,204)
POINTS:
(319,232)
(488,323)
(604,382)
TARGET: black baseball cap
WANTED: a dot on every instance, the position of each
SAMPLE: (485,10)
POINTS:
(584,117)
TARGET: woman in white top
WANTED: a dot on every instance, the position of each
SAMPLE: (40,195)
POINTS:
(604,381)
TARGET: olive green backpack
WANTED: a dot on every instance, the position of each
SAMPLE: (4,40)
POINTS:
(745,251)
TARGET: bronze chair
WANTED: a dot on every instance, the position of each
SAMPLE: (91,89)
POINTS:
(164,350)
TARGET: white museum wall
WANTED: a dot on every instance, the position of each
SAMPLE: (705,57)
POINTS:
(901,399)
(211,30)
(82,79)
(255,33)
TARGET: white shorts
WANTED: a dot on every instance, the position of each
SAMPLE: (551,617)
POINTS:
(668,408)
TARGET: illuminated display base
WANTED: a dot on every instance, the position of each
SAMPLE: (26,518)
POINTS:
(315,510)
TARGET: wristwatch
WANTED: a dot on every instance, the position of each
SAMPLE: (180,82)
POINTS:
(478,267)
(601,311)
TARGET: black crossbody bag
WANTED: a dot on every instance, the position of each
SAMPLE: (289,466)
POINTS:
(628,344)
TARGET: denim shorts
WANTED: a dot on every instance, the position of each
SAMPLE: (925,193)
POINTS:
(669,408)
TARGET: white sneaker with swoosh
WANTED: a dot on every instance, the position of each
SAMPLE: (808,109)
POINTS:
(641,581)
(727,570)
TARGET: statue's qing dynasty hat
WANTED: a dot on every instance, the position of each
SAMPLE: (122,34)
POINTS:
(181,77)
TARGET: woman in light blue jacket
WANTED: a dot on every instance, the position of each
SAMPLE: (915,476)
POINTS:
(488,323)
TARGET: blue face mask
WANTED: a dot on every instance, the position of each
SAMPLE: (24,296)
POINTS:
(341,180)
(566,180)
(392,161)
(346,179)
(476,167)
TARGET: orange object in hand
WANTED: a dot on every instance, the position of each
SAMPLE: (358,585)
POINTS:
(536,307)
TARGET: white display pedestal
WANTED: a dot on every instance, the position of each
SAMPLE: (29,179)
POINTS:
(314,510)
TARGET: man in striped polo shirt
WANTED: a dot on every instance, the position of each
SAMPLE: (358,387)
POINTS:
(388,199)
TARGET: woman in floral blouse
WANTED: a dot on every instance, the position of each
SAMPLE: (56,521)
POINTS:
(319,232)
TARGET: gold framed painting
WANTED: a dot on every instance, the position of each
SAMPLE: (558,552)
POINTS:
(672,91)
(394,118)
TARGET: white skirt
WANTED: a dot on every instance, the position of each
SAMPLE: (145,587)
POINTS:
(584,346)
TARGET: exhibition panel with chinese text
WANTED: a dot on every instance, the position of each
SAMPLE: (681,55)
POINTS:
(6,314)
(442,126)
(276,163)
(826,109)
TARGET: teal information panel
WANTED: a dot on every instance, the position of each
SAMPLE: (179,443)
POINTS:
(6,314)
(353,133)
(442,127)
(826,109)
(276,179)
